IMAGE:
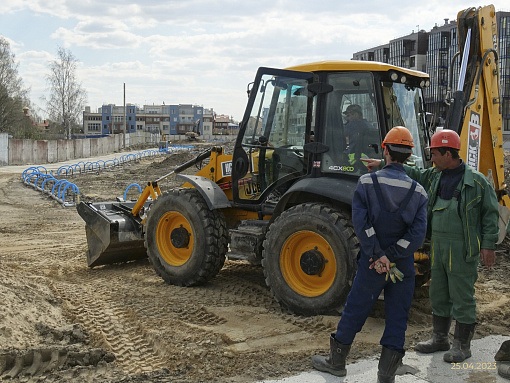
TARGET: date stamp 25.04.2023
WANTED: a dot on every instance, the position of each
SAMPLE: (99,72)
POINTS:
(474,366)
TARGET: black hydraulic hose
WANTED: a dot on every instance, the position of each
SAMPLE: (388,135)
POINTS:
(457,108)
(455,114)
(479,73)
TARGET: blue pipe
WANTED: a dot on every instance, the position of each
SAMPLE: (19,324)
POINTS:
(43,185)
(56,187)
(129,187)
(41,179)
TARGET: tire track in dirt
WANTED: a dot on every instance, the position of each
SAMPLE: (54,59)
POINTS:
(240,273)
(141,305)
(41,362)
(111,324)
(203,333)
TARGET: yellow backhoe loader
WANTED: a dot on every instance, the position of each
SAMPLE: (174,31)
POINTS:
(282,199)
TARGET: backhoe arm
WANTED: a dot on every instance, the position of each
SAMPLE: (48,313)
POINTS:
(475,107)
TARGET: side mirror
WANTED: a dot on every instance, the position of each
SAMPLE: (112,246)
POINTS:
(248,88)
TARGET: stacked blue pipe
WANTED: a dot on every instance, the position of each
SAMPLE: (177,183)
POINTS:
(63,191)
(66,192)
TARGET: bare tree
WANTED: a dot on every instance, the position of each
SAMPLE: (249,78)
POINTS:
(67,97)
(13,96)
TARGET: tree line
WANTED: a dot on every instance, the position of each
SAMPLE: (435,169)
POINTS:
(63,106)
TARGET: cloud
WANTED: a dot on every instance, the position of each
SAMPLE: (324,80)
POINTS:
(100,40)
(199,51)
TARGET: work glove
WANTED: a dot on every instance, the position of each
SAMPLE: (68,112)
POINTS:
(393,273)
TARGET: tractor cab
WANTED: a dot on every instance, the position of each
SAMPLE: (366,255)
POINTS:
(320,120)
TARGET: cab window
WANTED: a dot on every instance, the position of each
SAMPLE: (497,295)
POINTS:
(351,128)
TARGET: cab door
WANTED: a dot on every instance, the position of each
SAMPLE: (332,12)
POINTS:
(276,125)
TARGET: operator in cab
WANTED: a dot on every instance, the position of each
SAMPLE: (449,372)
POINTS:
(357,130)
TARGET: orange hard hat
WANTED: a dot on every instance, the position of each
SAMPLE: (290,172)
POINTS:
(445,138)
(400,136)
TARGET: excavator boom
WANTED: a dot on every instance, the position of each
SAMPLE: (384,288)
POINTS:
(475,105)
(475,110)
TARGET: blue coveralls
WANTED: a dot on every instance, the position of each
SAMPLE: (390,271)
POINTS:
(390,218)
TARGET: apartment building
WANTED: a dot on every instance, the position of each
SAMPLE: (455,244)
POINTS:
(163,119)
(410,51)
(207,122)
(442,47)
(432,52)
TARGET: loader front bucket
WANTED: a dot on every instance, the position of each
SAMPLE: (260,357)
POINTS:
(114,235)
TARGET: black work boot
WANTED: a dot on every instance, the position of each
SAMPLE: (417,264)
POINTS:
(439,340)
(335,363)
(388,363)
(503,359)
(503,354)
(461,348)
(504,370)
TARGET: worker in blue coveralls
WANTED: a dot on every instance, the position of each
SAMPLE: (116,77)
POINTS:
(389,214)
(463,229)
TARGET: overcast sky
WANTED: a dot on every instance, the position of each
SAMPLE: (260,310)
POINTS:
(201,52)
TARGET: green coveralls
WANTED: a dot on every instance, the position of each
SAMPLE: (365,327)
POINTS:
(452,288)
(457,234)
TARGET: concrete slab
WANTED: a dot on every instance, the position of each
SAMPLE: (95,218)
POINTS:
(480,368)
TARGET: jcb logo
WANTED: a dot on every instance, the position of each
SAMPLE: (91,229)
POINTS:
(475,131)
(252,188)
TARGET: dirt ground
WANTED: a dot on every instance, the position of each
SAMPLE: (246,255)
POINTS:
(63,322)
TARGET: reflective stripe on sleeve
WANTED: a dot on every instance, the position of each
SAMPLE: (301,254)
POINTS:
(403,243)
(370,232)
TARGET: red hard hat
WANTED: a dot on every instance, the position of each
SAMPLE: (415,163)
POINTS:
(445,138)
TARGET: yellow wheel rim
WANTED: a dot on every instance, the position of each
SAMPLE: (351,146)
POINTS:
(175,253)
(290,263)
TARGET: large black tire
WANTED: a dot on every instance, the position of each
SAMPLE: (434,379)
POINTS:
(309,259)
(185,240)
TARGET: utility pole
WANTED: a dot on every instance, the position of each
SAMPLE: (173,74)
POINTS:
(125,120)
